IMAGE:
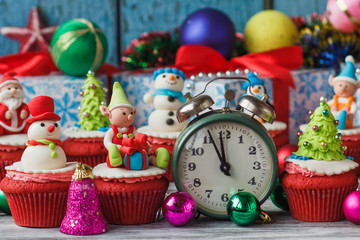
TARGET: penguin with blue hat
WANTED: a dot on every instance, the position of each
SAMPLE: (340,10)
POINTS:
(343,105)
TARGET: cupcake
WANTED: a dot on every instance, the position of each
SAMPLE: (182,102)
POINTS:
(11,148)
(163,127)
(36,187)
(278,132)
(318,177)
(130,197)
(85,143)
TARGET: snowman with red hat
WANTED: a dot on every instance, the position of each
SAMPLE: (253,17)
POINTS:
(43,150)
(13,110)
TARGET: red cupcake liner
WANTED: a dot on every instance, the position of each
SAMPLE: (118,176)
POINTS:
(92,161)
(43,210)
(130,206)
(318,199)
(7,158)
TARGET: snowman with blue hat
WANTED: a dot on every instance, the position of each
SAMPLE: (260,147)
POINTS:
(343,105)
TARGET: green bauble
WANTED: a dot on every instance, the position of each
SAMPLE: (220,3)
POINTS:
(4,206)
(278,197)
(78,46)
(243,208)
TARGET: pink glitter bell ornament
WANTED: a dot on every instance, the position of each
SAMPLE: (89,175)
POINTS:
(179,209)
(351,207)
(83,213)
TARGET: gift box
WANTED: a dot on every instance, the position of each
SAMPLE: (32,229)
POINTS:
(63,89)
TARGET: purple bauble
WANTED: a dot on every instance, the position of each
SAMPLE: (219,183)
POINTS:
(179,209)
(351,207)
(211,28)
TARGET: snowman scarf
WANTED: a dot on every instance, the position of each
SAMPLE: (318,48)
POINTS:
(168,92)
(47,141)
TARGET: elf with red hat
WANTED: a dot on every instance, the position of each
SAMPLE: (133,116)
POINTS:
(13,110)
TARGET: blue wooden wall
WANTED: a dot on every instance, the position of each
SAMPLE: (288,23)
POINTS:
(124,20)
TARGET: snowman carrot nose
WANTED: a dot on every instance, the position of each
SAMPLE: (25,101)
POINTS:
(51,128)
(255,90)
(172,77)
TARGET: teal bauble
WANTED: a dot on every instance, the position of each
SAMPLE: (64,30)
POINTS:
(4,206)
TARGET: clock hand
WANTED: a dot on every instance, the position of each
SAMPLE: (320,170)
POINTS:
(224,167)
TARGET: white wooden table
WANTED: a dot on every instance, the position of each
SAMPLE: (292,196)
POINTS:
(284,227)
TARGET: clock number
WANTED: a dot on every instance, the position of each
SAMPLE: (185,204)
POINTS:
(227,134)
(252,150)
(257,165)
(241,139)
(197,151)
(208,192)
(225,197)
(252,181)
(197,182)
(207,140)
(192,166)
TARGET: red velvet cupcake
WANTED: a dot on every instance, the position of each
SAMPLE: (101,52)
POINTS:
(278,133)
(11,148)
(84,146)
(130,197)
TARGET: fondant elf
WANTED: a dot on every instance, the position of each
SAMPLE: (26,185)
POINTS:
(121,114)
(343,105)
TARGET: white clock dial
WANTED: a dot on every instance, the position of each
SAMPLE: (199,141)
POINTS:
(245,152)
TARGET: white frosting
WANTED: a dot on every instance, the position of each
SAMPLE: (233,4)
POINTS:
(276,125)
(103,171)
(153,133)
(325,167)
(74,132)
(17,166)
(39,158)
(345,132)
(14,139)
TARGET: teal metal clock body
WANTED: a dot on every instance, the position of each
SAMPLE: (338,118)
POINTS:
(221,153)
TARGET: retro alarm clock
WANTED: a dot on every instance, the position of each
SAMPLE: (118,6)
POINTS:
(222,152)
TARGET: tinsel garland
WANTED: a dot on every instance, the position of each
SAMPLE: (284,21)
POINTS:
(324,46)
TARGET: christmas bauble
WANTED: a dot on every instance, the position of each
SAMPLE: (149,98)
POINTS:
(179,208)
(243,208)
(351,207)
(344,15)
(4,206)
(283,152)
(78,46)
(211,28)
(268,30)
(278,197)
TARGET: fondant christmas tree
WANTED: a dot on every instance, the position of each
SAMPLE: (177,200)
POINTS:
(93,95)
(320,141)
(83,214)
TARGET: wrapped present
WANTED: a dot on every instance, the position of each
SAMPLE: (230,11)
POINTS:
(63,89)
(135,150)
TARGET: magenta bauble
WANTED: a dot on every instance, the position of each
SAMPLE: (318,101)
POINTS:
(344,15)
(179,209)
(351,207)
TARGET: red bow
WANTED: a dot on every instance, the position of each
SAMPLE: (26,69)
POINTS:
(276,64)
(137,144)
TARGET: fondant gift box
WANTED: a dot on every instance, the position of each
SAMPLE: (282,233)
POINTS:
(310,85)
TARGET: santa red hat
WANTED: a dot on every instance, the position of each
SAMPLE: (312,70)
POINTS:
(42,108)
(9,78)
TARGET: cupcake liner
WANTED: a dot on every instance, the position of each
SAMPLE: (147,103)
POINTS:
(37,209)
(353,150)
(312,200)
(8,157)
(92,161)
(126,204)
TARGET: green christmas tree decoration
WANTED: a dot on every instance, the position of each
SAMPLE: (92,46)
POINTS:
(93,95)
(321,140)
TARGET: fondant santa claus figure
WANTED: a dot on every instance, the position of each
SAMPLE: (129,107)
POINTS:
(13,110)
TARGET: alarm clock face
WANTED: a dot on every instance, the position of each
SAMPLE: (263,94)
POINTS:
(218,159)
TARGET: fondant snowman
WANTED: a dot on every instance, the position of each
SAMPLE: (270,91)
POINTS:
(43,150)
(166,98)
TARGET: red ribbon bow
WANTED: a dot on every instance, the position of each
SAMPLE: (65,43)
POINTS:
(276,64)
(132,145)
